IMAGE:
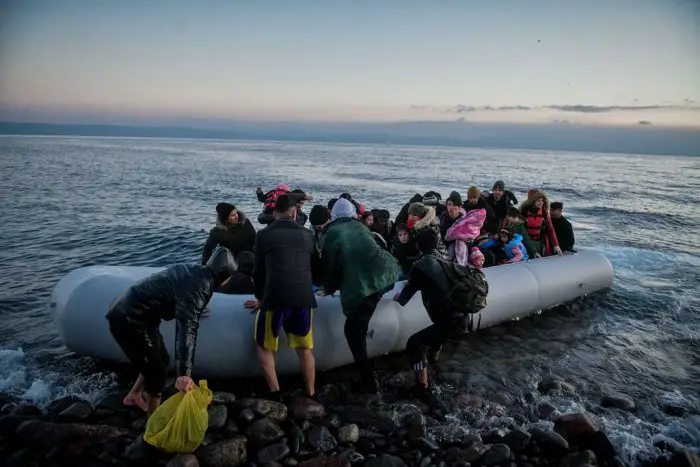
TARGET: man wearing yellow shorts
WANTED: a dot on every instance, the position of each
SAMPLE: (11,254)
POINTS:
(284,294)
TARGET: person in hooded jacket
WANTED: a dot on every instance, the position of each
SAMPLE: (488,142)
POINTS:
(539,225)
(422,217)
(434,199)
(383,225)
(562,228)
(402,217)
(241,282)
(363,272)
(319,218)
(428,277)
(500,200)
(359,207)
(233,231)
(453,213)
(180,292)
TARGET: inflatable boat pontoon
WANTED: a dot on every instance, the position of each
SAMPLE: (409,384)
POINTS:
(225,346)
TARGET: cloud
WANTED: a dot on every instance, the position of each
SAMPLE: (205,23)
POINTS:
(561,122)
(576,108)
(645,122)
(688,101)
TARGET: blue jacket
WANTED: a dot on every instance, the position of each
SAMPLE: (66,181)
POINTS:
(517,241)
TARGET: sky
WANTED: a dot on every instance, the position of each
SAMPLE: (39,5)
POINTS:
(630,62)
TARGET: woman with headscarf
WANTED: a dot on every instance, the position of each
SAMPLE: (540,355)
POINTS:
(233,230)
(539,225)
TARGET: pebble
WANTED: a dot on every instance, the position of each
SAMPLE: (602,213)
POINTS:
(222,397)
(666,444)
(618,401)
(495,436)
(26,410)
(332,420)
(545,410)
(426,444)
(217,416)
(579,459)
(247,416)
(549,385)
(322,439)
(573,425)
(328,395)
(183,460)
(517,439)
(381,421)
(550,441)
(474,452)
(325,462)
(498,454)
(275,411)
(348,434)
(231,429)
(354,457)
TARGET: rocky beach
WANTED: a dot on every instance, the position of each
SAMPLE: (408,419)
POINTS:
(338,429)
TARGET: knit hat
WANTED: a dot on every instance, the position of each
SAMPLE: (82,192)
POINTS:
(499,184)
(430,199)
(283,203)
(319,215)
(475,254)
(456,198)
(343,208)
(418,209)
(473,192)
(223,210)
(347,196)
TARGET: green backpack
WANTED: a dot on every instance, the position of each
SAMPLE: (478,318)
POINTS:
(467,288)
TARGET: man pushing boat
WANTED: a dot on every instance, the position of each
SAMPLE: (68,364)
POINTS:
(180,292)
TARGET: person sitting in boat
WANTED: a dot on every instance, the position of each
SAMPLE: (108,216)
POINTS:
(434,199)
(402,217)
(515,223)
(368,219)
(562,228)
(363,272)
(463,233)
(500,200)
(233,230)
(284,297)
(400,251)
(428,276)
(241,282)
(475,202)
(359,208)
(269,199)
(508,247)
(539,225)
(422,217)
(319,218)
(383,225)
(476,258)
(180,292)
(453,211)
(300,197)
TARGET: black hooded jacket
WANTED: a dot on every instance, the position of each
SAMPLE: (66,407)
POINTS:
(240,237)
(402,217)
(180,292)
(500,209)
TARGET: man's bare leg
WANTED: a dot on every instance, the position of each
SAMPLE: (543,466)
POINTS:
(267,363)
(307,364)
(133,398)
(422,377)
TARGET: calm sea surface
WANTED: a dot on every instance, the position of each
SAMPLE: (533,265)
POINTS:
(72,202)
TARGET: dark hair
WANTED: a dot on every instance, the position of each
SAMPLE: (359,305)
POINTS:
(426,239)
(367,214)
(515,212)
(319,215)
(556,206)
(331,203)
(284,203)
(401,227)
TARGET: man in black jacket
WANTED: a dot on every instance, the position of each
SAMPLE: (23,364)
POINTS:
(180,292)
(562,227)
(284,295)
(428,277)
(500,200)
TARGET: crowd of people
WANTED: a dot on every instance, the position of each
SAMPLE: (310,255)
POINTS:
(347,248)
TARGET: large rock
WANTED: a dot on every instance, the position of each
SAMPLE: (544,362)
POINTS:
(579,459)
(322,439)
(228,453)
(386,461)
(549,441)
(554,384)
(26,410)
(113,402)
(221,397)
(48,434)
(217,416)
(275,411)
(349,434)
(415,426)
(9,424)
(77,412)
(304,408)
(618,401)
(498,454)
(325,462)
(354,457)
(684,459)
(263,432)
(328,395)
(516,439)
(474,452)
(495,436)
(59,405)
(599,443)
(574,425)
(183,460)
(273,453)
(332,420)
(546,410)
(364,417)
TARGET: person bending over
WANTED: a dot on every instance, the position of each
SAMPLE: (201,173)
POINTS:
(284,294)
(180,292)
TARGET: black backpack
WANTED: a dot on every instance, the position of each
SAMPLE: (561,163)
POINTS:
(467,288)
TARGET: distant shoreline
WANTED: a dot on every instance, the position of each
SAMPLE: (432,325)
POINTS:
(615,140)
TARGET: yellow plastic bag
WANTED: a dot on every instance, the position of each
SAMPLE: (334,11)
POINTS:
(179,424)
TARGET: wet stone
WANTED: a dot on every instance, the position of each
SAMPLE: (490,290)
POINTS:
(573,425)
(474,452)
(217,416)
(332,420)
(348,434)
(545,410)
(325,462)
(247,416)
(328,395)
(231,429)
(415,425)
(579,459)
(497,455)
(321,439)
(667,444)
(273,453)
(275,411)
(618,401)
(495,436)
(304,408)
(553,384)
(379,420)
(517,439)
(426,444)
(183,460)
(290,462)
(264,432)
(549,441)
(221,397)
(27,410)
(599,443)
(228,453)
(352,456)
(386,461)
